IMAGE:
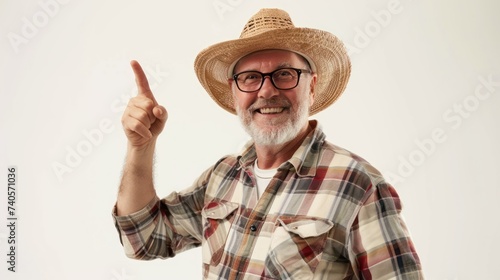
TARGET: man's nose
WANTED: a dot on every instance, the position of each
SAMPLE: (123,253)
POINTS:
(267,90)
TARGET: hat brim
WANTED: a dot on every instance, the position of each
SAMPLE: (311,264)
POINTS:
(326,52)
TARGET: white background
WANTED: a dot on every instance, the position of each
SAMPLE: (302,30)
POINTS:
(65,75)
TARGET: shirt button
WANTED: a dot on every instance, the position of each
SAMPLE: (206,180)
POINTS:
(253,228)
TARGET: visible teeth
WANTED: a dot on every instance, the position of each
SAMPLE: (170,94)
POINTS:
(271,110)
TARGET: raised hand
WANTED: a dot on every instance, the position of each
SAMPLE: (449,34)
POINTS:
(143,119)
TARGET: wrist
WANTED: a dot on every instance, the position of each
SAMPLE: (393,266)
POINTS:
(140,157)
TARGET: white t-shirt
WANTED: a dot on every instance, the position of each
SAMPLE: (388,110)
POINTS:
(263,177)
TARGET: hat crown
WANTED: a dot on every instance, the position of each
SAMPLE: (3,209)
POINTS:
(266,20)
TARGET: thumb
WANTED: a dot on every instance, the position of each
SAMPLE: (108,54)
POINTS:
(161,118)
(160,113)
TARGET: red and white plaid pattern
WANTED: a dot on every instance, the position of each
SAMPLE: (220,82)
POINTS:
(326,214)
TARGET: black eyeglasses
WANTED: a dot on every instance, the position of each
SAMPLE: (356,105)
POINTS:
(283,78)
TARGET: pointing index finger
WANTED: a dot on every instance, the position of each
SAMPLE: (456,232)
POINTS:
(141,80)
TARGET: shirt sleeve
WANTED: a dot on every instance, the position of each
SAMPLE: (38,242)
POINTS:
(143,234)
(164,227)
(380,244)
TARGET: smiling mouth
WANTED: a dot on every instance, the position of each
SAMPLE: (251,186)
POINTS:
(272,110)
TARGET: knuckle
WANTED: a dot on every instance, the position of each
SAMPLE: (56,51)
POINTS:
(135,125)
(125,118)
(149,104)
(134,100)
(143,117)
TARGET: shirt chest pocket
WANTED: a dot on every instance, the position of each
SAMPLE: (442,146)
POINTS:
(217,219)
(296,247)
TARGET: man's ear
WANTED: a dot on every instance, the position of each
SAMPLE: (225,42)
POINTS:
(232,87)
(230,83)
(312,87)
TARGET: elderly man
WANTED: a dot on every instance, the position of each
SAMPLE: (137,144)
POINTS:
(291,205)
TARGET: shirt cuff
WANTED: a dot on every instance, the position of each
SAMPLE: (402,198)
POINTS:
(136,217)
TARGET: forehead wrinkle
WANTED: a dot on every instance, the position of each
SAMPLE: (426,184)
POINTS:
(279,66)
(284,65)
(257,64)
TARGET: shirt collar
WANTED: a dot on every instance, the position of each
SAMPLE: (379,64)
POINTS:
(305,158)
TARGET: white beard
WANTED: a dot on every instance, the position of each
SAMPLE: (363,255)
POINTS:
(276,135)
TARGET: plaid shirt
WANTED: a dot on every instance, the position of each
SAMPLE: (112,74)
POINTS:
(326,214)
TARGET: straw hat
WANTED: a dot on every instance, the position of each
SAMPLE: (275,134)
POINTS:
(273,29)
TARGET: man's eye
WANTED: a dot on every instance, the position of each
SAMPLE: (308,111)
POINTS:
(251,77)
(284,74)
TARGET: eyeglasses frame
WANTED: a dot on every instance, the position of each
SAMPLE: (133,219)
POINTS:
(269,74)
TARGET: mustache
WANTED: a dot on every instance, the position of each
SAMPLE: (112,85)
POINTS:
(273,102)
